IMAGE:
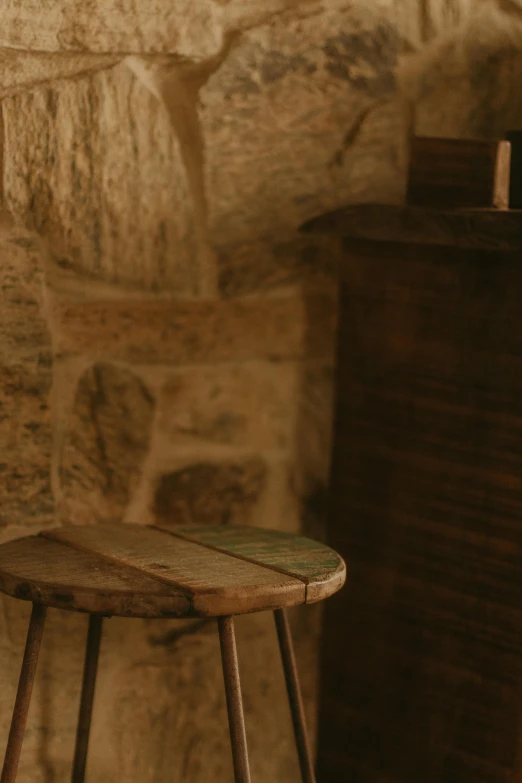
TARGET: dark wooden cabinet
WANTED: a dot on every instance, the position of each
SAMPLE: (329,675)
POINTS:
(422,654)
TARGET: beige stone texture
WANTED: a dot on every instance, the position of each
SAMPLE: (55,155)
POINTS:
(94,167)
(110,25)
(284,86)
(221,493)
(183,27)
(246,405)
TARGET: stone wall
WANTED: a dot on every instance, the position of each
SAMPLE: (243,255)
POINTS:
(167,337)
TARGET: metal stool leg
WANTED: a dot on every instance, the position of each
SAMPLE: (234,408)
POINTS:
(236,719)
(90,670)
(294,696)
(23,695)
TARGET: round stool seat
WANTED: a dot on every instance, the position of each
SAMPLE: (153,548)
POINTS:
(190,571)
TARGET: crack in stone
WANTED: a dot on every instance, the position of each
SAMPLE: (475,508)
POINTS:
(354,131)
(22,71)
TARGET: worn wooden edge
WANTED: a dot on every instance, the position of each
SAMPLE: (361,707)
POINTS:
(319,590)
(95,599)
(257,599)
(319,586)
(210,601)
(486,229)
(106,604)
(284,587)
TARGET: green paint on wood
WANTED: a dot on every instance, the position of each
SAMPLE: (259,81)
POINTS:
(301,557)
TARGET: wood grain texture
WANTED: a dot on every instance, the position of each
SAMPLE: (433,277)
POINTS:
(318,566)
(465,228)
(454,173)
(193,571)
(44,571)
(422,657)
(213,582)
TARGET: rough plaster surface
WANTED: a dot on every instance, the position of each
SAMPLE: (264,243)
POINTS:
(160,157)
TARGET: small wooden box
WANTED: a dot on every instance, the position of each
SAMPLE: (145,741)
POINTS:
(457,173)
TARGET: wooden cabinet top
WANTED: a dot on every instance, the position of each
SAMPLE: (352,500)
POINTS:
(482,229)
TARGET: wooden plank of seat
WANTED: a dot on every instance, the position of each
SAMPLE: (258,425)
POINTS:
(44,571)
(215,582)
(322,569)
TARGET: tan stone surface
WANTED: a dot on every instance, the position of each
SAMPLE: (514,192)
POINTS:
(276,118)
(249,405)
(158,332)
(107,442)
(210,492)
(25,383)
(110,25)
(93,165)
(184,27)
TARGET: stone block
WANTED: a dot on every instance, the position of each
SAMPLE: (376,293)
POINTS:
(211,493)
(249,405)
(107,442)
(186,28)
(111,26)
(92,164)
(295,122)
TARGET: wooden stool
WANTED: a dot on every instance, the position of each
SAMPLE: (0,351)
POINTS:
(153,572)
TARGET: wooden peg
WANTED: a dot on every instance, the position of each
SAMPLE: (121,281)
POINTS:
(515,185)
